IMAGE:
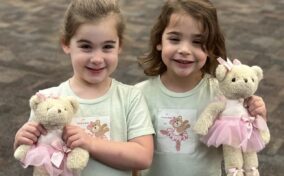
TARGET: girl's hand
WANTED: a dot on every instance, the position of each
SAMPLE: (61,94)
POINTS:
(28,134)
(74,136)
(256,106)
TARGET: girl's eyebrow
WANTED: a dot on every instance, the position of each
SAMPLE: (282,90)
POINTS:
(179,34)
(83,41)
(197,35)
(110,41)
(173,33)
(89,42)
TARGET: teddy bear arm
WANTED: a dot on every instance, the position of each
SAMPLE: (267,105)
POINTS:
(21,152)
(207,117)
(77,159)
(265,135)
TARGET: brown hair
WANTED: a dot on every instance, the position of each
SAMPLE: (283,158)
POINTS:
(85,11)
(205,13)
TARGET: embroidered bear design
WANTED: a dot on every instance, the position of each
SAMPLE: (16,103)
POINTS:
(178,131)
(97,129)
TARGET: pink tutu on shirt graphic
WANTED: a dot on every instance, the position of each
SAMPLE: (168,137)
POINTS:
(238,132)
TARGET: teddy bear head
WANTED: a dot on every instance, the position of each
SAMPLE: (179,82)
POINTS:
(237,80)
(53,112)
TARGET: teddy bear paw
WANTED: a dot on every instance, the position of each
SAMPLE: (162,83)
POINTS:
(200,129)
(265,135)
(77,159)
(21,152)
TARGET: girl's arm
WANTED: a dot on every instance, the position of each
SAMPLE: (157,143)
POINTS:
(137,153)
(28,134)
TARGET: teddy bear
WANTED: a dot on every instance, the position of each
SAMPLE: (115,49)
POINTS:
(226,122)
(49,155)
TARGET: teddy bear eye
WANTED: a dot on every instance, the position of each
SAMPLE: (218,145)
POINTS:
(234,80)
(65,109)
(252,80)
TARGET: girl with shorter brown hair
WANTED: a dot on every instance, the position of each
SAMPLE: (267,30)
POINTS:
(185,43)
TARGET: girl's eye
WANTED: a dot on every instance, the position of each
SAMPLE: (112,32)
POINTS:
(197,42)
(173,39)
(85,47)
(108,47)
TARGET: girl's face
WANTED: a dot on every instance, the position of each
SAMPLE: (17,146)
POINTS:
(181,46)
(94,51)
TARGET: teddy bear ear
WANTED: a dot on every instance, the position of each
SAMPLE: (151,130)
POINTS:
(221,72)
(73,101)
(34,101)
(258,72)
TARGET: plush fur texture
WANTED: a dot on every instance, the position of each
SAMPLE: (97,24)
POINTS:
(236,82)
(54,113)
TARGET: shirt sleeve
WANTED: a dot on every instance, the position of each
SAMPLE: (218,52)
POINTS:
(138,117)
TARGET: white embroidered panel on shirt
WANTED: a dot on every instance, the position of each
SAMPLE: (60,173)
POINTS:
(98,126)
(173,130)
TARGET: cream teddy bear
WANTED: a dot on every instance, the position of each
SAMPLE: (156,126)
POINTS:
(50,156)
(227,122)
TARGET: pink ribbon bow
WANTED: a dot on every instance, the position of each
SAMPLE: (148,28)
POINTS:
(43,97)
(228,64)
(62,150)
(252,122)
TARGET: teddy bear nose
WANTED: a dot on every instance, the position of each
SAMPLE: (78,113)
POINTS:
(246,80)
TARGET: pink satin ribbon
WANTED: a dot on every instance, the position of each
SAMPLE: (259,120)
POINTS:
(252,122)
(228,64)
(44,97)
(62,149)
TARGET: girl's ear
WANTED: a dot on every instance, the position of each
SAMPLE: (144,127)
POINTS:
(120,49)
(65,47)
(159,47)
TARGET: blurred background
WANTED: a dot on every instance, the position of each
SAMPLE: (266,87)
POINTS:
(31,59)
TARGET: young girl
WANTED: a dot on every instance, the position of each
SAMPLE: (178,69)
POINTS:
(185,42)
(92,36)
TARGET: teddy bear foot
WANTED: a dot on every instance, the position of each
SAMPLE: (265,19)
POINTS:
(235,172)
(252,172)
(77,159)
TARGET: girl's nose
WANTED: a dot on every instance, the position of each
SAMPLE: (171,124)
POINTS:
(184,49)
(96,57)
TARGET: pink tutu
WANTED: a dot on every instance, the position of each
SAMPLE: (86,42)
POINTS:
(170,132)
(40,155)
(236,132)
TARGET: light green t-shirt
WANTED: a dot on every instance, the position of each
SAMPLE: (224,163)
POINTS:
(122,110)
(178,151)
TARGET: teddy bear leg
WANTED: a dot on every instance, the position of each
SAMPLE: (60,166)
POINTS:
(250,164)
(77,159)
(233,159)
(40,171)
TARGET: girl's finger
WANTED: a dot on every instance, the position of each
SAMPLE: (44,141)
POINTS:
(72,139)
(30,136)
